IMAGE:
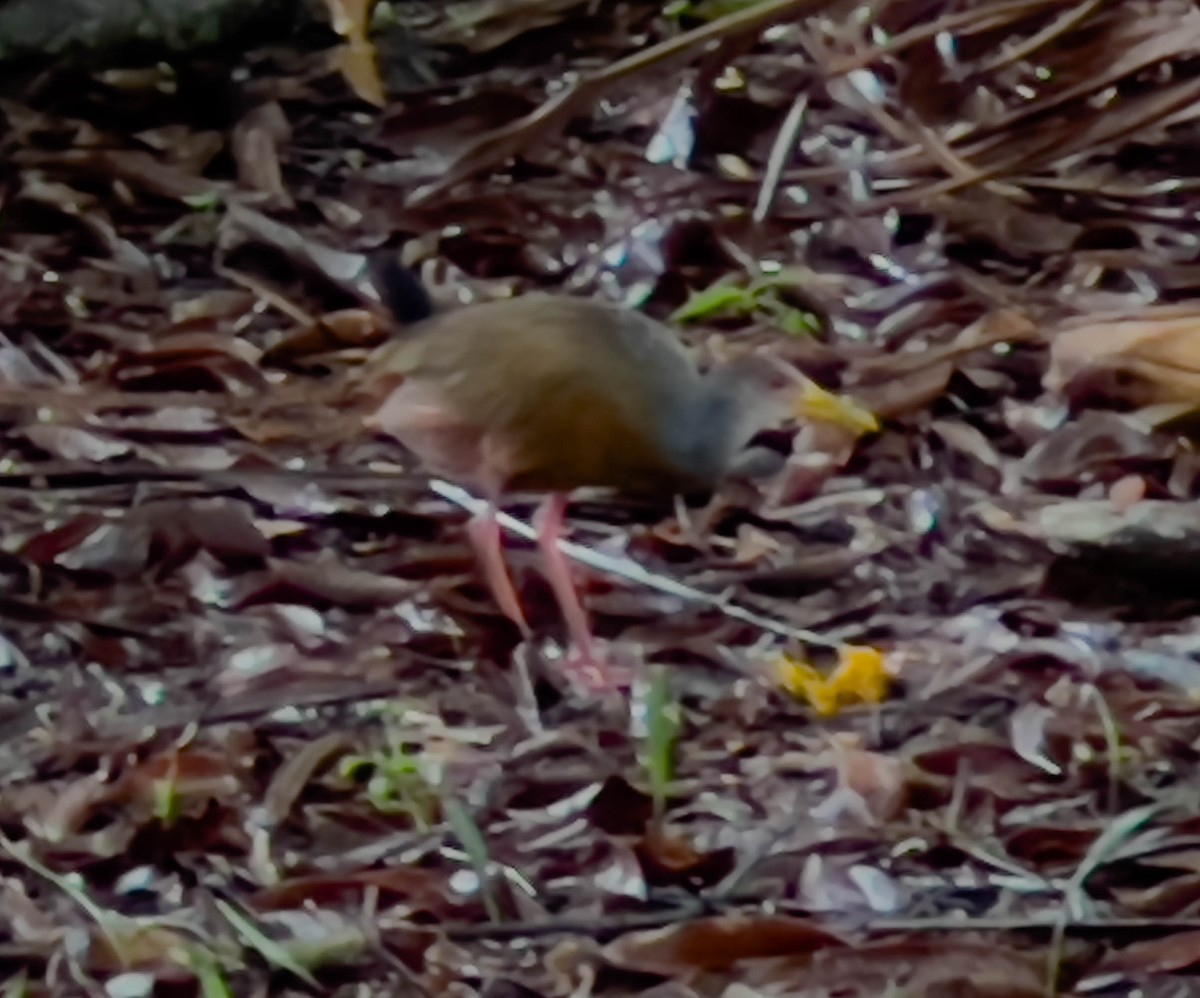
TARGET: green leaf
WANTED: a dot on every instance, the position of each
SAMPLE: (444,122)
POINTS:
(796,322)
(663,724)
(207,201)
(166,801)
(720,299)
(789,279)
(475,846)
(351,767)
(1115,835)
(340,945)
(273,952)
(17,986)
(116,927)
(208,973)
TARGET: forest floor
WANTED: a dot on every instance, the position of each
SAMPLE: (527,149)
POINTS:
(264,731)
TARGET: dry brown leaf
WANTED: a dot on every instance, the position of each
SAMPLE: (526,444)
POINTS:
(1139,361)
(870,786)
(1156,956)
(255,143)
(717,943)
(293,776)
(352,327)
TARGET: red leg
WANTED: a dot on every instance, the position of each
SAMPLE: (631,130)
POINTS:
(587,659)
(484,532)
(549,523)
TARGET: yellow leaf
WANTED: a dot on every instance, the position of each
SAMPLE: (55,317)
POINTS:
(350,17)
(860,677)
(359,65)
(862,673)
(357,59)
(802,680)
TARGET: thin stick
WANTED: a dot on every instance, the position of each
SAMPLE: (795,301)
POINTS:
(632,571)
(781,154)
(623,568)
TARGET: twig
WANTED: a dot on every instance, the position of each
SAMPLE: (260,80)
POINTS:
(630,570)
(623,568)
(908,130)
(1071,912)
(595,928)
(1059,26)
(617,925)
(1051,150)
(496,146)
(266,295)
(781,151)
(1039,923)
(960,22)
(225,710)
(1112,741)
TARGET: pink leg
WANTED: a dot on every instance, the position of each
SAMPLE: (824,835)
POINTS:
(484,532)
(549,522)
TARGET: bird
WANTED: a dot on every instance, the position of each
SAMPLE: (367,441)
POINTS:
(550,393)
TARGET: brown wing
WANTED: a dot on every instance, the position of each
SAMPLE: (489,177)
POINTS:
(574,392)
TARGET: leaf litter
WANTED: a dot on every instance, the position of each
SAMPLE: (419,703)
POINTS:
(263,729)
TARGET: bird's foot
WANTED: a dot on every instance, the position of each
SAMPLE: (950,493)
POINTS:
(597,667)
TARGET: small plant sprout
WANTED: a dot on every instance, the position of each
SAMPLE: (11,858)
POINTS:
(17,986)
(396,781)
(275,953)
(661,723)
(132,941)
(208,973)
(470,836)
(761,296)
(167,799)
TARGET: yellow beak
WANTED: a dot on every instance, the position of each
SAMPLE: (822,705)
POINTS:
(817,405)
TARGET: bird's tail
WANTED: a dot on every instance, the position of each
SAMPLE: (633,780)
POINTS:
(399,289)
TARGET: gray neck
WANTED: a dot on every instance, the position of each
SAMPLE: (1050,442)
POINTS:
(714,423)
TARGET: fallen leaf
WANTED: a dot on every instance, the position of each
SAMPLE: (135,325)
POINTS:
(717,943)
(860,677)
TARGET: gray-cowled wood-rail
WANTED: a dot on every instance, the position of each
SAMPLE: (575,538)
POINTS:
(548,394)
